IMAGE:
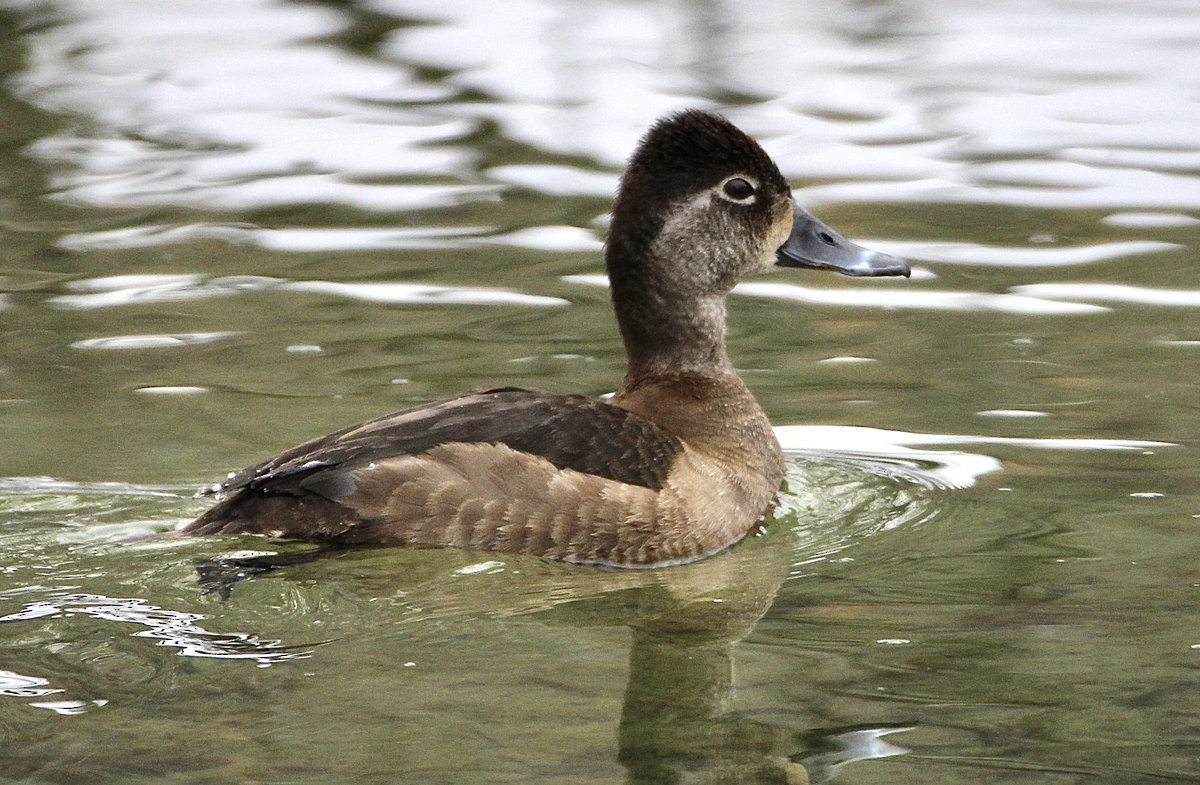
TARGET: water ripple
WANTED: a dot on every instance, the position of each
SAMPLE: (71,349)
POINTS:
(1088,113)
(118,290)
(1111,292)
(296,239)
(557,180)
(406,293)
(152,341)
(957,472)
(867,297)
(170,628)
(973,254)
(917,300)
(339,239)
(196,120)
(138,190)
(16,685)
(122,290)
(54,488)
(886,453)
(1137,220)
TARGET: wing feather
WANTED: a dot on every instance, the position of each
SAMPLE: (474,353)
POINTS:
(569,431)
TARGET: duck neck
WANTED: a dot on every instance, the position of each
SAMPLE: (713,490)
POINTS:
(670,338)
(668,327)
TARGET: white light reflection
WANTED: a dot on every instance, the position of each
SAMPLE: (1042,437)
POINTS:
(849,746)
(332,240)
(233,104)
(1046,256)
(120,290)
(916,299)
(17,685)
(295,239)
(892,297)
(1112,292)
(896,453)
(885,453)
(170,628)
(411,293)
(152,341)
(117,290)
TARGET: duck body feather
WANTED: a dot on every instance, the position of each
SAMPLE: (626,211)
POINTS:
(519,471)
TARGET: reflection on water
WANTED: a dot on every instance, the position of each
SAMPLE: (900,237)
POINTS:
(229,226)
(922,300)
(677,715)
(170,628)
(969,254)
(1188,298)
(953,102)
(16,685)
(139,289)
(151,341)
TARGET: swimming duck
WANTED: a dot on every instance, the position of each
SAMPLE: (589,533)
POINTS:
(679,464)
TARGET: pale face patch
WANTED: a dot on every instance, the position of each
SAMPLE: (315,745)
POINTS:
(781,229)
(730,244)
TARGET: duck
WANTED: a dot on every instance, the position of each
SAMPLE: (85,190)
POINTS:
(680,463)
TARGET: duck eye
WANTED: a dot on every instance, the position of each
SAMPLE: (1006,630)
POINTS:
(737,188)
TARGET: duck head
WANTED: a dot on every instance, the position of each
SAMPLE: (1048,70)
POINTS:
(701,206)
(701,192)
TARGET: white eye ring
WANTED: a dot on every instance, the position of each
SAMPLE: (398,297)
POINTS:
(739,189)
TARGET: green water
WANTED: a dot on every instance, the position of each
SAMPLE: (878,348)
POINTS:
(228,229)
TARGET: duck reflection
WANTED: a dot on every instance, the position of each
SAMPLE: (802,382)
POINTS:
(676,722)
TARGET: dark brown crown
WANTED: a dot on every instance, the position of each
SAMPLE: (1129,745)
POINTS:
(680,155)
(692,150)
